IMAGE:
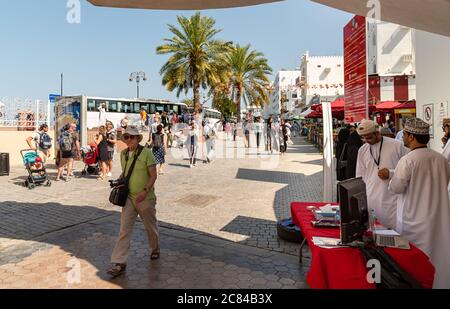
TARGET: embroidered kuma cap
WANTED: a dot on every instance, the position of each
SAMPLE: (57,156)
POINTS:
(417,126)
(367,127)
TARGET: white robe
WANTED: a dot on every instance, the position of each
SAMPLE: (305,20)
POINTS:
(446,154)
(383,202)
(421,179)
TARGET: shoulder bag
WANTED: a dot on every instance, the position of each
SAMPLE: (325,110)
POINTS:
(120,189)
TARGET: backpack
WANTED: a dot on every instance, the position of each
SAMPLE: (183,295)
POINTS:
(45,141)
(157,141)
(66,142)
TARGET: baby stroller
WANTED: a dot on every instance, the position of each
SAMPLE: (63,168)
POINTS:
(90,159)
(35,167)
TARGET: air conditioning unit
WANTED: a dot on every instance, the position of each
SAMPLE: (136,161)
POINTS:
(408,58)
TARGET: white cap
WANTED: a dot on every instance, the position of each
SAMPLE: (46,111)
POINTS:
(367,127)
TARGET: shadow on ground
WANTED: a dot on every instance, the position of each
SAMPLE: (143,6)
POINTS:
(89,234)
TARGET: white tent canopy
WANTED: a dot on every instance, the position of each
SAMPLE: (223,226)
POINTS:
(177,4)
(428,15)
(307,112)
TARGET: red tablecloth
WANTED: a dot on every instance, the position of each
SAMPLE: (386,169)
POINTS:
(345,268)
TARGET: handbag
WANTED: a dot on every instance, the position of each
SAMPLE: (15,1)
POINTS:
(120,190)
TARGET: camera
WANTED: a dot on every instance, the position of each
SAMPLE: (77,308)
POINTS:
(117,183)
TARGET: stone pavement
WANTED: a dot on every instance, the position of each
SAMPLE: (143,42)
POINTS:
(218,225)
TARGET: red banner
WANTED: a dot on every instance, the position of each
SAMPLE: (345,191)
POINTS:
(355,70)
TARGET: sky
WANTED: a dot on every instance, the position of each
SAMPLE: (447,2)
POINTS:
(97,55)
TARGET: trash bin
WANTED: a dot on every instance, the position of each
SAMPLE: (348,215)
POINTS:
(4,164)
(287,230)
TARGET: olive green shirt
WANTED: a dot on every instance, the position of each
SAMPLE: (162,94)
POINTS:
(140,176)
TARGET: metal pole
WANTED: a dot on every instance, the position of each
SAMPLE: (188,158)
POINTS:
(37,115)
(62,83)
(137,82)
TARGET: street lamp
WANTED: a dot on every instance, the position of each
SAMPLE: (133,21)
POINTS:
(137,76)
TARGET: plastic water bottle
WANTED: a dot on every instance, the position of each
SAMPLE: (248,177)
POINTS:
(372,220)
(337,218)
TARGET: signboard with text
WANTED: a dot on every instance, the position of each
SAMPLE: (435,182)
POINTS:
(355,70)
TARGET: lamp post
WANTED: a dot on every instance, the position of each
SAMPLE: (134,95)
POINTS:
(137,76)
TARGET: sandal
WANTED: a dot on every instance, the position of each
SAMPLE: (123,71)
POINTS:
(154,255)
(117,270)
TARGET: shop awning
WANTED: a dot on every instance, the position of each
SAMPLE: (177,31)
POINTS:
(338,105)
(177,4)
(406,105)
(388,105)
(430,15)
(314,114)
(306,113)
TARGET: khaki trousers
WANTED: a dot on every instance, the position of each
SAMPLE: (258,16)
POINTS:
(147,211)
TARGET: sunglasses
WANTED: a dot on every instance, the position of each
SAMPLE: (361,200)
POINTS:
(127,137)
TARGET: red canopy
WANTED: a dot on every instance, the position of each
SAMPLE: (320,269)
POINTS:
(338,105)
(388,105)
(411,104)
(316,107)
(314,114)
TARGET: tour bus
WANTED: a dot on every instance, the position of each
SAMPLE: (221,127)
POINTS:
(211,115)
(84,110)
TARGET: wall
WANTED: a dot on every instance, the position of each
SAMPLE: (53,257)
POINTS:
(387,43)
(14,141)
(324,77)
(283,80)
(433,79)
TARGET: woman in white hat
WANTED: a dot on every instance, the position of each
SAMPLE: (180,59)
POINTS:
(141,200)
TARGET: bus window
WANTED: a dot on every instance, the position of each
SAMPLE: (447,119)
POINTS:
(99,103)
(159,108)
(91,105)
(126,107)
(167,108)
(176,109)
(152,108)
(136,107)
(112,107)
(145,106)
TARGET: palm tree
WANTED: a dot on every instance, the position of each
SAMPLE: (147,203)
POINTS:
(195,54)
(248,77)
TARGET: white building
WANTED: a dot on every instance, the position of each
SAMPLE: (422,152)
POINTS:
(391,54)
(284,87)
(433,80)
(322,79)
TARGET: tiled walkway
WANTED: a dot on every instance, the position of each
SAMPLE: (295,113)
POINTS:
(226,240)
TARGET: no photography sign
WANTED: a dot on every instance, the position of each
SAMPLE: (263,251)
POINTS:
(428,116)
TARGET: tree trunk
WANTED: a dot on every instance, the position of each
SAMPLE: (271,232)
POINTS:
(238,103)
(196,96)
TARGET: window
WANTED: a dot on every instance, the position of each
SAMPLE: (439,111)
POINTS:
(135,107)
(159,108)
(126,107)
(176,109)
(145,106)
(294,96)
(112,107)
(91,105)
